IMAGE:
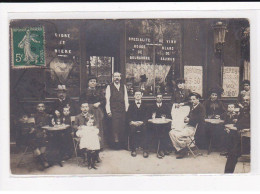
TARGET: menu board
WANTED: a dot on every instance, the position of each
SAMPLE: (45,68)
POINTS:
(193,76)
(230,81)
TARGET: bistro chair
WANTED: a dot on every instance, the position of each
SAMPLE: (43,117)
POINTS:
(192,142)
(27,149)
(75,141)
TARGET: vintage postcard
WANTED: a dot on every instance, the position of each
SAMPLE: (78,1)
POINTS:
(129,96)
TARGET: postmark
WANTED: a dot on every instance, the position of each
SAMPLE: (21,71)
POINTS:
(28,47)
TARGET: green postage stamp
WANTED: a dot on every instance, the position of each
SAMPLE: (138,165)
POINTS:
(28,47)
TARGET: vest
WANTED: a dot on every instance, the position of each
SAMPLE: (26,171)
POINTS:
(117,98)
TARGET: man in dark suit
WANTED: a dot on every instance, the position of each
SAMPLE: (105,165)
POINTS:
(196,116)
(243,125)
(137,120)
(162,110)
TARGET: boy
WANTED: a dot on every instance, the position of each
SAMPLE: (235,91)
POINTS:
(81,118)
(137,120)
(40,136)
(230,119)
(159,110)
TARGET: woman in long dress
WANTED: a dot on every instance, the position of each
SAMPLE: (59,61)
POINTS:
(96,99)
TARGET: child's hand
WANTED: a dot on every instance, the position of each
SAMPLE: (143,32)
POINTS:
(235,120)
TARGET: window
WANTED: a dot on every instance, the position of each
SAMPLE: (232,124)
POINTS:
(152,55)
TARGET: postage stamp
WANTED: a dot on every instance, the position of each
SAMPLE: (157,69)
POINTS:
(28,47)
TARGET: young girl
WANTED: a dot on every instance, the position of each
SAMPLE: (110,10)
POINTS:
(89,141)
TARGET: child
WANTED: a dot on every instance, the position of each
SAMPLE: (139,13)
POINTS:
(67,142)
(89,141)
(230,119)
(40,136)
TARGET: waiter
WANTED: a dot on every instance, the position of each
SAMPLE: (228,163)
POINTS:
(116,108)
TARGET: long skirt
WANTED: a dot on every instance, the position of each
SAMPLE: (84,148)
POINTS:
(178,115)
(180,137)
(99,117)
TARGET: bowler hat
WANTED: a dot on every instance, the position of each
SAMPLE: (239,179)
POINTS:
(143,78)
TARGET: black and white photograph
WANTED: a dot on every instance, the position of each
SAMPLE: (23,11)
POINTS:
(129,96)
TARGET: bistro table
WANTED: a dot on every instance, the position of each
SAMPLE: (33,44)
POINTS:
(214,122)
(158,122)
(54,142)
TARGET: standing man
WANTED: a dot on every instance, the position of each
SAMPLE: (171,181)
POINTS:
(116,108)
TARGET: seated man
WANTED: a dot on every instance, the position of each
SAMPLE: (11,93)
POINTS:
(243,123)
(159,110)
(196,115)
(137,120)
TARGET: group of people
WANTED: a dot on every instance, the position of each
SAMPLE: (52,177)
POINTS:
(186,112)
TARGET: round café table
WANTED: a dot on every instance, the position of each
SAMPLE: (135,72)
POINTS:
(214,122)
(157,122)
(54,142)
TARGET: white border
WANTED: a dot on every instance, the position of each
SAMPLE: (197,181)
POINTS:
(116,11)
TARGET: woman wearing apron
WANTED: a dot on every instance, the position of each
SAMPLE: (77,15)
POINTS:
(180,107)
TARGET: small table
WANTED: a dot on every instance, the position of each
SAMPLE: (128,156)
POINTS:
(157,122)
(213,122)
(55,139)
(56,127)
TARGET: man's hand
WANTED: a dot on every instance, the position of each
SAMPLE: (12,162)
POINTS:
(217,116)
(235,120)
(109,114)
(227,130)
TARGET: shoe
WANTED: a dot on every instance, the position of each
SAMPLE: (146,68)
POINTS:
(159,156)
(133,153)
(223,153)
(98,160)
(167,153)
(145,154)
(161,153)
(179,156)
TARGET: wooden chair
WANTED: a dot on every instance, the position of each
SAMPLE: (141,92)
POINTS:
(27,148)
(75,141)
(192,142)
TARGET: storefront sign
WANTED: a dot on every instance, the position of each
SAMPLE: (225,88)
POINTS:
(230,81)
(193,76)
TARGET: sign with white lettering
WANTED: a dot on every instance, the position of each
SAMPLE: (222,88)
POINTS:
(193,76)
(230,81)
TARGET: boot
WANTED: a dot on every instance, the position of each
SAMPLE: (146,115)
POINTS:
(44,159)
(97,158)
(89,160)
(93,161)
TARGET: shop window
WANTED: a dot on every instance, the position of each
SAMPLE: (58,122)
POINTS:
(102,67)
(153,50)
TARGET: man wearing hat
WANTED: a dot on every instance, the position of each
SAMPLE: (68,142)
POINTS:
(196,116)
(63,100)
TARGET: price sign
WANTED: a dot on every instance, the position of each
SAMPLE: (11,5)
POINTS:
(230,81)
(193,76)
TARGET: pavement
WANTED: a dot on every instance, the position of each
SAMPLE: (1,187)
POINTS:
(121,162)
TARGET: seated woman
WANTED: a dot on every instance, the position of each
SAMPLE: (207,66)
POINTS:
(179,137)
(214,109)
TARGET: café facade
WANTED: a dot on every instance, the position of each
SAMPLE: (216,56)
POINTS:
(150,53)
